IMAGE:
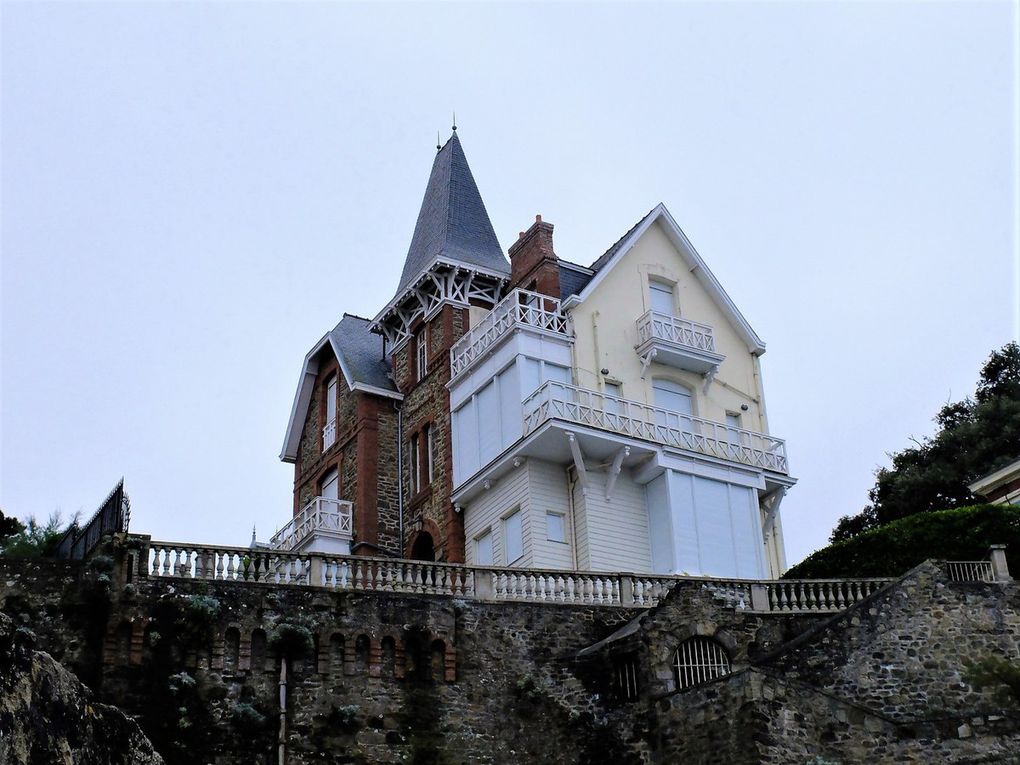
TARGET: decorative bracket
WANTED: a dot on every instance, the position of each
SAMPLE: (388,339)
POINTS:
(709,377)
(645,361)
(614,471)
(575,451)
(770,504)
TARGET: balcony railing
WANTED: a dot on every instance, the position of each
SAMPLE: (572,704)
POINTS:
(555,400)
(332,517)
(173,560)
(520,307)
(329,434)
(673,329)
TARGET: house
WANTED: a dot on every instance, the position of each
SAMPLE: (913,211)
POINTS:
(1000,487)
(531,411)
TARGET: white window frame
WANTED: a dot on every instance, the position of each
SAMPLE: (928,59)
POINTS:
(507,549)
(430,452)
(415,457)
(421,348)
(563,525)
(486,534)
(662,286)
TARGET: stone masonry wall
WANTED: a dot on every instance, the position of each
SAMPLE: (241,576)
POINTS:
(404,678)
(427,402)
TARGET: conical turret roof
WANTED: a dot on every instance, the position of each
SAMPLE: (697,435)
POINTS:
(452,223)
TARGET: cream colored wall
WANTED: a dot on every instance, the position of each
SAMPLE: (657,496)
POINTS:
(606,334)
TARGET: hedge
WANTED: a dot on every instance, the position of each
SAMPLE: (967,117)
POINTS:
(964,533)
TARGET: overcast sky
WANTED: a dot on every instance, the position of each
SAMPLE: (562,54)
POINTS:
(193,193)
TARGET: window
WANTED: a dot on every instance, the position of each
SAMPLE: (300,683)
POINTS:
(513,534)
(330,487)
(422,350)
(612,389)
(699,660)
(555,527)
(625,679)
(662,297)
(415,458)
(673,396)
(732,420)
(329,431)
(430,453)
(483,549)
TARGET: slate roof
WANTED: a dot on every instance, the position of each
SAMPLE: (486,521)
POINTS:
(573,278)
(608,254)
(362,352)
(452,222)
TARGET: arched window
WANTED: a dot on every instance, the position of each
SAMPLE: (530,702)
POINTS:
(231,649)
(672,396)
(699,660)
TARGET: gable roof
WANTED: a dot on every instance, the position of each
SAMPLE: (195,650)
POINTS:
(360,355)
(694,261)
(452,223)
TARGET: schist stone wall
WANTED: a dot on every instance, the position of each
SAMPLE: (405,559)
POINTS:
(382,678)
(427,405)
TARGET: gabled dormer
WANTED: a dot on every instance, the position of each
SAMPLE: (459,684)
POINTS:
(454,257)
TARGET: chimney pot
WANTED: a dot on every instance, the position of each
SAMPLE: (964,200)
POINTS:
(538,219)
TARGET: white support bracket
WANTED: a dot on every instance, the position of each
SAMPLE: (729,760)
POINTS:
(575,451)
(709,377)
(645,361)
(770,503)
(614,471)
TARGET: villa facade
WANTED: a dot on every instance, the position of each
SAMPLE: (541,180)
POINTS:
(530,411)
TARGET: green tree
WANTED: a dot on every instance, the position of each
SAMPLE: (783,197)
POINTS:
(975,436)
(35,539)
(9,527)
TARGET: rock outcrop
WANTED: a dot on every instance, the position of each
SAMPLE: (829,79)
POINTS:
(48,716)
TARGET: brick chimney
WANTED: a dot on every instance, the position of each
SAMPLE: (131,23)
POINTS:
(533,264)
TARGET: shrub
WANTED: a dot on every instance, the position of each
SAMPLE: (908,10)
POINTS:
(291,640)
(247,719)
(963,533)
(998,674)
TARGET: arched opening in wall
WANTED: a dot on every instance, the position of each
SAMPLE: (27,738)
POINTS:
(424,547)
(123,643)
(362,646)
(311,662)
(699,660)
(437,664)
(150,640)
(231,649)
(258,650)
(336,654)
(389,655)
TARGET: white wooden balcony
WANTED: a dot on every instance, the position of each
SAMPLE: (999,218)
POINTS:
(569,403)
(680,343)
(521,309)
(323,525)
(329,434)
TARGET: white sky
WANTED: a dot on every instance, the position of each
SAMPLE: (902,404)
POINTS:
(192,194)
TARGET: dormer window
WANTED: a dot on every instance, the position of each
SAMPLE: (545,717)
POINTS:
(422,352)
(329,430)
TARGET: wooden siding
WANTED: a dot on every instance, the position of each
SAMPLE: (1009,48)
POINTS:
(547,492)
(617,529)
(487,511)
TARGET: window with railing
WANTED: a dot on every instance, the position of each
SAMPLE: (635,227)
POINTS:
(421,346)
(699,660)
(329,429)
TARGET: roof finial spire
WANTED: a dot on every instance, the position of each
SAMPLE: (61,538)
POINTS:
(455,122)
(438,144)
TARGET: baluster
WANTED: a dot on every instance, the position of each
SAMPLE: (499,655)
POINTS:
(359,575)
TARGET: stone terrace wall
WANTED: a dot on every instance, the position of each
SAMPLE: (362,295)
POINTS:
(904,652)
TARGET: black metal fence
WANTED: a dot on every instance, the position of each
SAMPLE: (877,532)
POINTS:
(111,517)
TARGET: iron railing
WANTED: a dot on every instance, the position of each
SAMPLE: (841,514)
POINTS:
(112,517)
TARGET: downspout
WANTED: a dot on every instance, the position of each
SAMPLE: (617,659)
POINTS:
(400,475)
(282,748)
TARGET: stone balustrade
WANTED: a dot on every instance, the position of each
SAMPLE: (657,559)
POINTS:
(172,560)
